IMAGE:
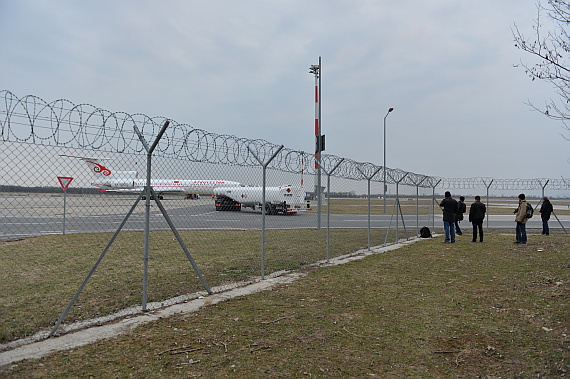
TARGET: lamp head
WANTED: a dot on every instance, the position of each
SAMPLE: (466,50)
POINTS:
(390,110)
(314,69)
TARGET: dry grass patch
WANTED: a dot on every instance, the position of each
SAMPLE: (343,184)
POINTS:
(40,275)
(426,310)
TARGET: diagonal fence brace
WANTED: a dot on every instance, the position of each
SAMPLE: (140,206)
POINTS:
(149,194)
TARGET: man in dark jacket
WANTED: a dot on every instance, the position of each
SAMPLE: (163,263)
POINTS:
(476,216)
(545,210)
(449,207)
(461,208)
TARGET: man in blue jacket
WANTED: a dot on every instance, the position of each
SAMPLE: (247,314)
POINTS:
(449,207)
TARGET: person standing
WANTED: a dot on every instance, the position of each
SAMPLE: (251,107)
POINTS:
(449,207)
(476,216)
(545,210)
(461,208)
(521,220)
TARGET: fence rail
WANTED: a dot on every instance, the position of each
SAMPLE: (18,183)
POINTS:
(75,254)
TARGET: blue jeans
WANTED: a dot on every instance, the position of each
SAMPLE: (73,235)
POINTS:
(545,229)
(449,228)
(521,232)
(457,228)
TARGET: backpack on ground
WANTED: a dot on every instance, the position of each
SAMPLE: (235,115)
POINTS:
(529,211)
(424,232)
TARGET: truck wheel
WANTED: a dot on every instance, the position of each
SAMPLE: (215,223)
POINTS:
(268,209)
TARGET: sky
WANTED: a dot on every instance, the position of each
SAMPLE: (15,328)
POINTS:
(449,68)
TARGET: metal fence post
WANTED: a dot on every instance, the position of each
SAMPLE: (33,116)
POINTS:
(488,186)
(149,151)
(432,205)
(398,209)
(418,203)
(368,178)
(328,174)
(263,205)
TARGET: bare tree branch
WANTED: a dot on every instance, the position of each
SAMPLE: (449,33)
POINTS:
(552,50)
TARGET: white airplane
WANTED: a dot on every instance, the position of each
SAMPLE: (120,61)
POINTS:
(127,181)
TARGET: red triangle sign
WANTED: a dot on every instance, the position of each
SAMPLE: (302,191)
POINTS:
(64,181)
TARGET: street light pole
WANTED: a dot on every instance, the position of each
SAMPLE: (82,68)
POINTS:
(389,110)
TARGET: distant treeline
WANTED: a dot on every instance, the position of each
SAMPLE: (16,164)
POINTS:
(354,195)
(70,190)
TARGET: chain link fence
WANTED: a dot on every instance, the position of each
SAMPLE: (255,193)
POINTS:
(85,239)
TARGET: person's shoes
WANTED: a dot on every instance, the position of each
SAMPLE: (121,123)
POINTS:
(445,241)
(459,234)
(481,241)
(516,242)
(474,241)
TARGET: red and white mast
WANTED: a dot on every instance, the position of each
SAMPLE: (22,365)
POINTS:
(316,70)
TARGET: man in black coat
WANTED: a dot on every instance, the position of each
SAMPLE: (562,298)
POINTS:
(545,210)
(449,207)
(461,208)
(476,216)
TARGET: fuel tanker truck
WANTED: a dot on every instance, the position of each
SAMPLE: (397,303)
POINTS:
(278,200)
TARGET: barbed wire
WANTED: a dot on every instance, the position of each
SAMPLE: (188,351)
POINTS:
(506,184)
(62,123)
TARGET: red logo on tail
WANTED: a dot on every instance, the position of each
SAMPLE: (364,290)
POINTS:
(100,168)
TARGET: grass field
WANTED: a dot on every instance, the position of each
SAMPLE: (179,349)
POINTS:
(426,310)
(40,275)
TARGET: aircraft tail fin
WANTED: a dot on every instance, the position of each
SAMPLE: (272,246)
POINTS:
(94,165)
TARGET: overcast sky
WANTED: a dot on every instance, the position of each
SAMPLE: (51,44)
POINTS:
(447,67)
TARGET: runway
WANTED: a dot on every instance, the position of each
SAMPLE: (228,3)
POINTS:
(30,215)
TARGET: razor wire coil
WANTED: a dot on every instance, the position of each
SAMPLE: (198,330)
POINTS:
(62,123)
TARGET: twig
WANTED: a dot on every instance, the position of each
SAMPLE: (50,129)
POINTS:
(186,351)
(354,334)
(279,319)
(417,343)
(447,352)
(261,348)
(189,363)
(178,348)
